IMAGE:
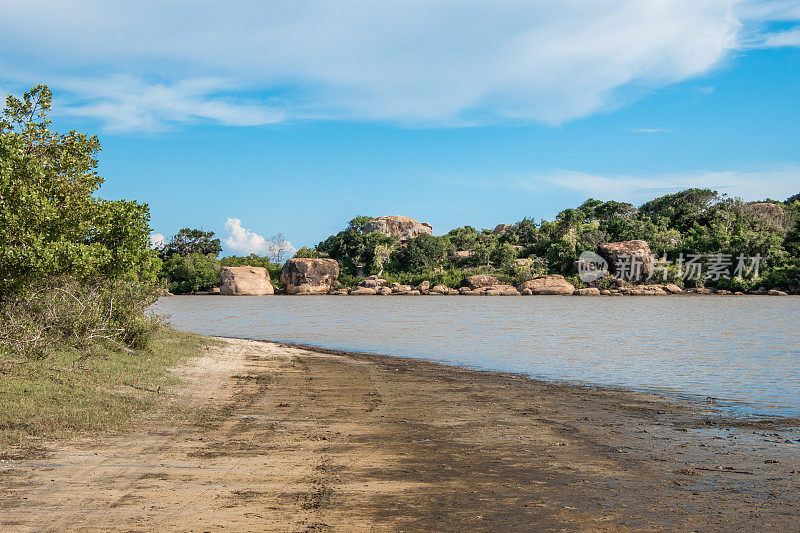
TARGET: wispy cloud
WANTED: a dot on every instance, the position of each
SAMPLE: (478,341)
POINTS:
(142,66)
(777,183)
(651,130)
(127,103)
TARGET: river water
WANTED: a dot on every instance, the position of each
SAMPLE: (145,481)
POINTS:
(742,350)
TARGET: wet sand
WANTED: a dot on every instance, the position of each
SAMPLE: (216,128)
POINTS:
(283,438)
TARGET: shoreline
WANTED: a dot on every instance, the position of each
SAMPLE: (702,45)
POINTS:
(728,407)
(290,438)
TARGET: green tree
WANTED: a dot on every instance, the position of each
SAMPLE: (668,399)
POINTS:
(192,241)
(50,221)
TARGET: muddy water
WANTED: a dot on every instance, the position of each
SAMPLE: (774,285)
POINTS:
(744,351)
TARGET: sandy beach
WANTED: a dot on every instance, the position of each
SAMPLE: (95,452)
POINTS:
(285,438)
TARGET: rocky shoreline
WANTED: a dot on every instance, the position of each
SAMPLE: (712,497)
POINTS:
(315,278)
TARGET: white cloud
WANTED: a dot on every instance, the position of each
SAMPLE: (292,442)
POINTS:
(245,242)
(156,241)
(778,183)
(414,62)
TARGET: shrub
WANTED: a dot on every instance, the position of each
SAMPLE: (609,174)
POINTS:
(63,310)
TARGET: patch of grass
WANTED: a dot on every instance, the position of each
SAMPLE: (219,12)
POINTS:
(76,390)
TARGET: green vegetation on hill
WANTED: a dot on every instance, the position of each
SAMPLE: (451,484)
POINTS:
(694,221)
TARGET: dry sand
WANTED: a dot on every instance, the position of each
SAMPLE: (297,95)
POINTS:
(283,438)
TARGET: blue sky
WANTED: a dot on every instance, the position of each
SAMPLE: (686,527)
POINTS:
(295,116)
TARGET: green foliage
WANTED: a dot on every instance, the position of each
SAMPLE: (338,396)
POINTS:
(451,277)
(423,253)
(309,253)
(51,221)
(192,241)
(186,274)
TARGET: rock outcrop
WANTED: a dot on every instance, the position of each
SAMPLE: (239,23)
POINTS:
(309,276)
(245,281)
(767,211)
(481,280)
(500,229)
(552,284)
(398,227)
(629,260)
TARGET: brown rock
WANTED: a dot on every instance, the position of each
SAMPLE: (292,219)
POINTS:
(589,291)
(775,292)
(499,290)
(363,291)
(398,227)
(440,289)
(309,276)
(339,292)
(481,280)
(423,286)
(398,289)
(373,282)
(216,290)
(629,260)
(463,254)
(384,291)
(526,292)
(673,289)
(245,281)
(552,284)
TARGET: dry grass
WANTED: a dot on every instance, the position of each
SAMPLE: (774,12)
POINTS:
(73,390)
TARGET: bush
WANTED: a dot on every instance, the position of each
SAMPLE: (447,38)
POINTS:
(63,310)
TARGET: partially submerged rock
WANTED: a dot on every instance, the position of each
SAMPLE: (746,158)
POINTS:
(309,275)
(363,291)
(589,291)
(398,227)
(245,281)
(552,284)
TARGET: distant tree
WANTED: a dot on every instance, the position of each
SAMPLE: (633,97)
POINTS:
(279,249)
(192,241)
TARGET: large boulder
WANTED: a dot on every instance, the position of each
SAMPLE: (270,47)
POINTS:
(245,281)
(481,280)
(629,260)
(309,276)
(552,284)
(399,227)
